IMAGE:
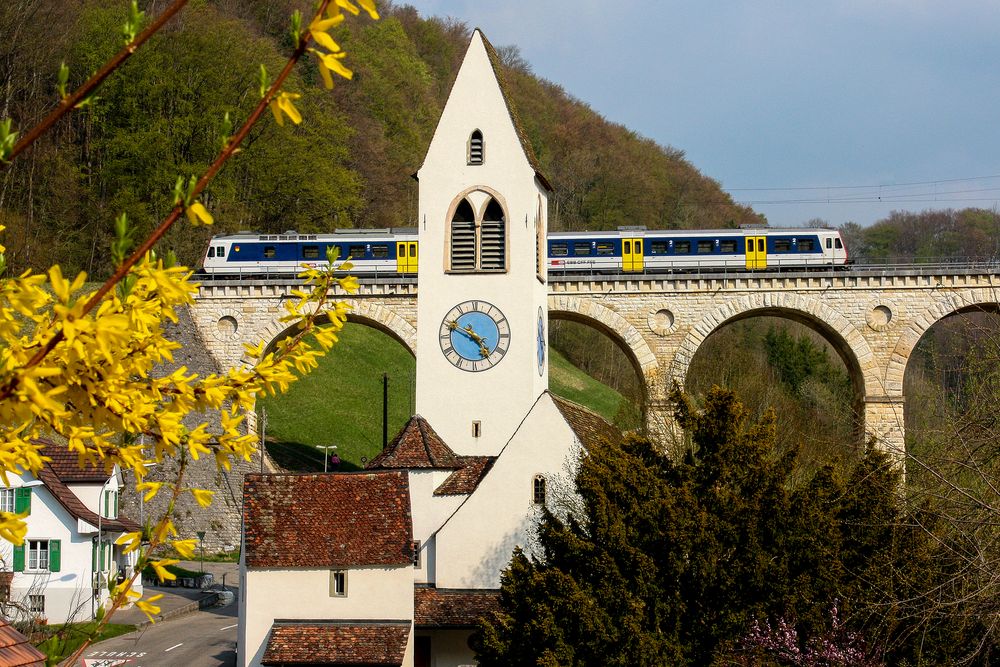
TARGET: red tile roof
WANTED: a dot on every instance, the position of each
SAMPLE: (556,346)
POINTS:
(15,651)
(328,520)
(77,509)
(68,466)
(588,426)
(416,446)
(452,608)
(320,643)
(467,478)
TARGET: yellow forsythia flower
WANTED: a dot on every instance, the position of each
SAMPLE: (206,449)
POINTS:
(160,566)
(150,488)
(282,104)
(134,541)
(330,62)
(198,214)
(185,547)
(12,528)
(203,496)
(369,6)
(146,606)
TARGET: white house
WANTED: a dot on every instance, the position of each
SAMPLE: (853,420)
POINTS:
(61,571)
(472,470)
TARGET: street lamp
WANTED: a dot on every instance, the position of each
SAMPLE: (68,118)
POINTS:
(326,456)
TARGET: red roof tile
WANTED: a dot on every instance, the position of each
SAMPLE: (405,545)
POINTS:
(588,426)
(15,651)
(328,520)
(416,446)
(319,643)
(77,509)
(467,478)
(68,466)
(452,608)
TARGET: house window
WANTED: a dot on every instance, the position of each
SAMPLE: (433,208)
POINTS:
(6,500)
(416,554)
(36,604)
(478,244)
(5,580)
(538,490)
(338,583)
(476,147)
(38,555)
(110,504)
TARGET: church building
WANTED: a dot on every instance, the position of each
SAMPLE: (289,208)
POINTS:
(395,564)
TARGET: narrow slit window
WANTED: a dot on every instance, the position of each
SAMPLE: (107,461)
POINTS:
(463,238)
(338,583)
(538,490)
(476,147)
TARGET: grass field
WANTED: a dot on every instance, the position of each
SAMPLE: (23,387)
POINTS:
(340,403)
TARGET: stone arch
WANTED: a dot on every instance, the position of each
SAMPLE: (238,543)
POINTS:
(952,303)
(591,313)
(363,312)
(850,345)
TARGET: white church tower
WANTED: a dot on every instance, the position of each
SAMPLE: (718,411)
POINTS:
(482,317)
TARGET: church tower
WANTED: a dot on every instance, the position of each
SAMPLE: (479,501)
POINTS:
(482,328)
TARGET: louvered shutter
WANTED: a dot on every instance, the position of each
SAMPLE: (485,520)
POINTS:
(493,245)
(22,500)
(55,555)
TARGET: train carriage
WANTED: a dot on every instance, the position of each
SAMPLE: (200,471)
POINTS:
(626,250)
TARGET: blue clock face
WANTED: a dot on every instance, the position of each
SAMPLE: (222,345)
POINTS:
(474,335)
(541,341)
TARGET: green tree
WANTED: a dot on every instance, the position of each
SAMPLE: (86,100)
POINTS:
(672,562)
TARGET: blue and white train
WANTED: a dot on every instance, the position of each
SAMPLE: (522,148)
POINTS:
(627,250)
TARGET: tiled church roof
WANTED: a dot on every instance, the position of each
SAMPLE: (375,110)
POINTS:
(588,426)
(325,643)
(467,478)
(452,608)
(416,446)
(328,520)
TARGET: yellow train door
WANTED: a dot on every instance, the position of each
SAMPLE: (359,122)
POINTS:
(406,256)
(632,257)
(756,252)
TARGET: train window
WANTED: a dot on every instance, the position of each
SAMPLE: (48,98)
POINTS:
(382,251)
(606,248)
(807,245)
(269,252)
(728,245)
(356,251)
(829,243)
(221,251)
(760,245)
(211,251)
(838,243)
(310,252)
(682,248)
(559,249)
(704,247)
(782,245)
(658,247)
(581,249)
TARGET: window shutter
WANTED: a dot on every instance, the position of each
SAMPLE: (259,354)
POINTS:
(493,245)
(22,500)
(115,515)
(55,552)
(476,148)
(463,245)
(19,558)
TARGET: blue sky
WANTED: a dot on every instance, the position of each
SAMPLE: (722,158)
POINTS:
(840,110)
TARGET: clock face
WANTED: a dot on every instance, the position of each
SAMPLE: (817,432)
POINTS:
(541,341)
(474,336)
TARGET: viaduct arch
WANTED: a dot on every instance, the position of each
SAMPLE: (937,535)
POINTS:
(873,319)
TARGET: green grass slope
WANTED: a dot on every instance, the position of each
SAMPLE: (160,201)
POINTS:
(341,401)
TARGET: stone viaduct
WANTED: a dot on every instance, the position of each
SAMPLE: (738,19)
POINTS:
(873,318)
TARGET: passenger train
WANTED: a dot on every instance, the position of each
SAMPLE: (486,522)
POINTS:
(627,250)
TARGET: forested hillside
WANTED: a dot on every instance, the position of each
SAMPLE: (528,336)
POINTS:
(348,165)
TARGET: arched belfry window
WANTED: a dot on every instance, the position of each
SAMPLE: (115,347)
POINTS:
(463,238)
(476,148)
(493,237)
(478,240)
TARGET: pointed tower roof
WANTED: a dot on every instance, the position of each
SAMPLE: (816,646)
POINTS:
(416,446)
(515,119)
